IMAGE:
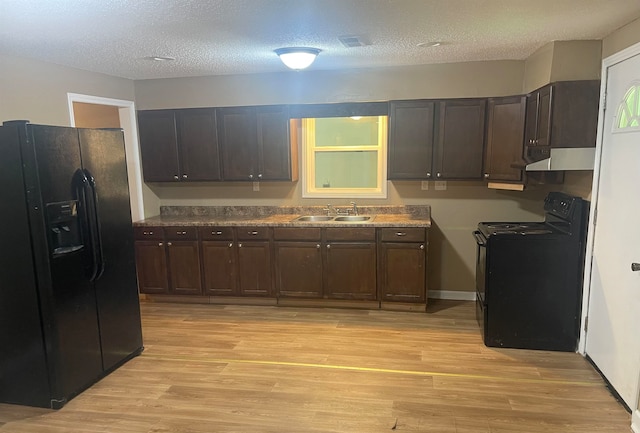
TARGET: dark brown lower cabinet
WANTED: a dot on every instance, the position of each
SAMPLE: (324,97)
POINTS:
(298,269)
(402,265)
(350,270)
(254,265)
(151,265)
(219,251)
(184,267)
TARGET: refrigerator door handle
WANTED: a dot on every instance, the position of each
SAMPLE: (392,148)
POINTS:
(81,188)
(95,227)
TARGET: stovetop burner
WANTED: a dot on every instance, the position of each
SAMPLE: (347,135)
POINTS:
(490,229)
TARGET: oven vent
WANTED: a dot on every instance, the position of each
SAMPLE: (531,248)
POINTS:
(352,41)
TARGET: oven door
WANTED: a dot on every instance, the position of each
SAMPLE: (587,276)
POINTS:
(481,278)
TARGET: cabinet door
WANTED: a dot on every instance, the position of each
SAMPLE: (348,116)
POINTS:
(459,151)
(151,266)
(531,119)
(158,146)
(505,132)
(411,139)
(219,264)
(198,144)
(184,267)
(350,271)
(403,272)
(274,150)
(298,269)
(254,268)
(543,129)
(237,139)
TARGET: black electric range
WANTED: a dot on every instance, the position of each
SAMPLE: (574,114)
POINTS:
(529,277)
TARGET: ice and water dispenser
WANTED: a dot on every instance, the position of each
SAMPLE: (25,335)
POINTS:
(64,228)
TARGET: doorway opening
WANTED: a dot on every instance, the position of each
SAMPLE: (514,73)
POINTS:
(86,111)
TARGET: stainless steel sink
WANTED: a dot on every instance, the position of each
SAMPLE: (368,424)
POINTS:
(314,218)
(352,218)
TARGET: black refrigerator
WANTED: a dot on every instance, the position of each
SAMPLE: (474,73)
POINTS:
(69,306)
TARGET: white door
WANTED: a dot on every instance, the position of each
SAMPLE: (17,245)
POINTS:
(613,335)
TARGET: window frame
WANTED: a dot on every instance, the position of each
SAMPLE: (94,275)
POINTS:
(309,189)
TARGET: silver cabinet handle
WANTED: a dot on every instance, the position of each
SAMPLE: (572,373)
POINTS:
(169,244)
(328,246)
(635,267)
(401,234)
(253,233)
(486,175)
(218,233)
(181,233)
(422,247)
(176,177)
(239,245)
(318,246)
(260,176)
(438,174)
(250,176)
(230,244)
(428,174)
(147,233)
(160,244)
(184,176)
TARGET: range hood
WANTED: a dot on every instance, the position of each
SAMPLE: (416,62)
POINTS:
(566,158)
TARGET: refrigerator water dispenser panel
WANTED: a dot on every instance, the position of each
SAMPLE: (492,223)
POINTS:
(63,228)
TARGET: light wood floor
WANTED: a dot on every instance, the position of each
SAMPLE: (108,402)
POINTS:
(210,368)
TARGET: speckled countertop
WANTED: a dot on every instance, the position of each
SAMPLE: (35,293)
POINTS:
(274,216)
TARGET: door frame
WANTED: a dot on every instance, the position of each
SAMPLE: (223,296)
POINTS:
(607,63)
(129,124)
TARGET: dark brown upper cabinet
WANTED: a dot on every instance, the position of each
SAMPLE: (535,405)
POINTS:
(179,145)
(255,143)
(436,139)
(411,131)
(458,152)
(505,132)
(561,114)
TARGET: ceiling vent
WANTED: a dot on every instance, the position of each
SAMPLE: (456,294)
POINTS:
(353,41)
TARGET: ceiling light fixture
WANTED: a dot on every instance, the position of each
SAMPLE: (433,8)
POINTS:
(297,58)
(161,58)
(429,44)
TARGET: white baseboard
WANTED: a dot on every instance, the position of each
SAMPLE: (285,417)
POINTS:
(635,421)
(454,295)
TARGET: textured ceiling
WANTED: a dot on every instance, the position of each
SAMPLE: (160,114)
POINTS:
(215,37)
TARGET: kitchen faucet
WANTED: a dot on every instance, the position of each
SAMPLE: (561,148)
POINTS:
(331,210)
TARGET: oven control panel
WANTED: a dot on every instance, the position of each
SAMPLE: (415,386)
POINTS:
(559,204)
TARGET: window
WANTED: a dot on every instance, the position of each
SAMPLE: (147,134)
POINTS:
(344,157)
(629,110)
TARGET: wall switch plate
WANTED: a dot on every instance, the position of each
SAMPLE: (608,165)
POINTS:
(256,186)
(441,185)
(424,185)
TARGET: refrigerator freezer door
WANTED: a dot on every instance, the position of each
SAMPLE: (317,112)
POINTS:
(67,297)
(103,158)
(24,377)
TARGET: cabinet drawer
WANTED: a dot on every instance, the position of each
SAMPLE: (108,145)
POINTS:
(403,234)
(248,233)
(180,233)
(148,233)
(350,234)
(216,233)
(296,234)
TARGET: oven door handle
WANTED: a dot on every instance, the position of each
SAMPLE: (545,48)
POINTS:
(479,238)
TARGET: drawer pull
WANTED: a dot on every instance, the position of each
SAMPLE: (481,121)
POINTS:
(253,233)
(401,233)
(328,246)
(230,244)
(169,244)
(218,233)
(181,233)
(147,233)
(422,247)
(160,244)
(239,245)
(318,246)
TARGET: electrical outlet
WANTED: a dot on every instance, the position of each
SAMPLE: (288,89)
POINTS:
(440,185)
(256,186)
(424,185)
